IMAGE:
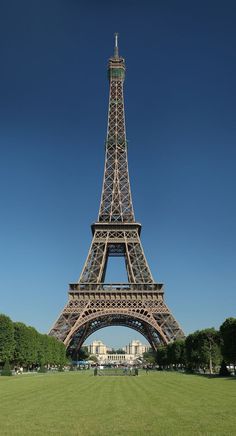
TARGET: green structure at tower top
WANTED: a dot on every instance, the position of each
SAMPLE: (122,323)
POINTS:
(116,67)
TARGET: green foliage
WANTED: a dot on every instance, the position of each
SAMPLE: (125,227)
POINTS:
(6,371)
(118,351)
(179,352)
(228,332)
(150,357)
(24,353)
(82,354)
(161,356)
(200,350)
(34,345)
(224,372)
(209,345)
(44,351)
(62,359)
(176,353)
(61,368)
(42,369)
(7,341)
(192,352)
(51,351)
(203,349)
(93,358)
(26,347)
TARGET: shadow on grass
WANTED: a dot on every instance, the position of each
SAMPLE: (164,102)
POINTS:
(214,376)
(208,376)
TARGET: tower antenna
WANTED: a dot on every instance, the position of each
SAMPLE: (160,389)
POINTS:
(116,52)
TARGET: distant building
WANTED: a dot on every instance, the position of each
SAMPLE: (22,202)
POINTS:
(133,351)
(136,348)
(125,359)
(97,347)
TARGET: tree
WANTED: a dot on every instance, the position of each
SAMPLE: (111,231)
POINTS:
(192,351)
(120,351)
(6,369)
(62,354)
(209,348)
(23,344)
(57,354)
(224,372)
(170,354)
(43,351)
(93,358)
(161,356)
(176,352)
(179,352)
(34,345)
(26,347)
(203,349)
(83,353)
(53,350)
(228,333)
(149,356)
(7,341)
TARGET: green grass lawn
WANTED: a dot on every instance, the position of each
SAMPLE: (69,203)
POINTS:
(77,403)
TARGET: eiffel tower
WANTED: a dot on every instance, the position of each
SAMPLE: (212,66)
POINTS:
(139,303)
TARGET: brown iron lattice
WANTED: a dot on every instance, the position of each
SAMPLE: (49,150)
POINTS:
(139,303)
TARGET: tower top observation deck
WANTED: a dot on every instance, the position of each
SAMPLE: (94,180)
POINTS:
(116,66)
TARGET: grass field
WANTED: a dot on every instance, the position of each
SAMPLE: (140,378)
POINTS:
(77,403)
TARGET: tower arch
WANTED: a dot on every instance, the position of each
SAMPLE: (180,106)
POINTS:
(141,322)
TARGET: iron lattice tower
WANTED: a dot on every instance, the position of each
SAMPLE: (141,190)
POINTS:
(138,304)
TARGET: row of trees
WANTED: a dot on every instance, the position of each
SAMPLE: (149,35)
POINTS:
(24,346)
(204,349)
(200,350)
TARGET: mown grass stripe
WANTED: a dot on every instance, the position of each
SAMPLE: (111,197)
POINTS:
(151,404)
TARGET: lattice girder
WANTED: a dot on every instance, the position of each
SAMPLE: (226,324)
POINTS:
(95,266)
(148,309)
(117,320)
(116,202)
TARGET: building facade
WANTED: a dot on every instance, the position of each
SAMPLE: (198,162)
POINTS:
(133,351)
(97,347)
(116,359)
(136,348)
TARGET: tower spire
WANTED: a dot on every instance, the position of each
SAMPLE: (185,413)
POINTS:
(116,202)
(116,51)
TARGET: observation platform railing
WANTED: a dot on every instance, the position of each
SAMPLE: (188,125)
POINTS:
(114,287)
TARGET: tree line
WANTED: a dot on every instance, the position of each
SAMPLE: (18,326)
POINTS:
(23,346)
(206,350)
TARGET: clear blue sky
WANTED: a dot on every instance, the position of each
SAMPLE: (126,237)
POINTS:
(180,98)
